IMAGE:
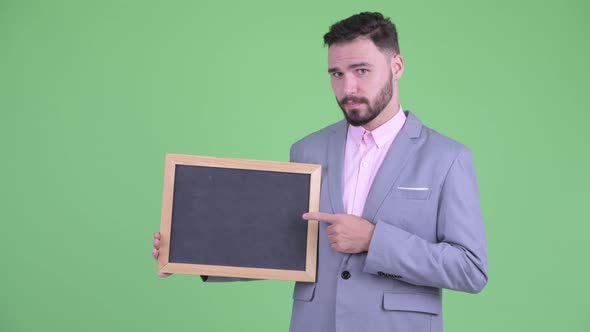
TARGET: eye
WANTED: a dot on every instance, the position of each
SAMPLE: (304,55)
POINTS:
(336,74)
(362,71)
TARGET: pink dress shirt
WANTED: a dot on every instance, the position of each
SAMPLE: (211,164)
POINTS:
(364,154)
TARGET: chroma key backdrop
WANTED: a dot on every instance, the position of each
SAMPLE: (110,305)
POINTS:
(94,93)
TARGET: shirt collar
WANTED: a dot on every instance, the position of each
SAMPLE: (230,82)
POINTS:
(382,134)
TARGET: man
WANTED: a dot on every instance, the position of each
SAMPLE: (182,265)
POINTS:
(400,208)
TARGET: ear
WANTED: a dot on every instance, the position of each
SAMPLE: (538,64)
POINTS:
(397,66)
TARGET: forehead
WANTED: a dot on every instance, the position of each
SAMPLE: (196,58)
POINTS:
(355,51)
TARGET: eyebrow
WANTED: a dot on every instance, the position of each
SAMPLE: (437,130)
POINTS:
(351,66)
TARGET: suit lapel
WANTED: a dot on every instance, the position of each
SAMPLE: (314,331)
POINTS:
(402,148)
(336,145)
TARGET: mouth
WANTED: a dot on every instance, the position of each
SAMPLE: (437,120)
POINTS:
(352,104)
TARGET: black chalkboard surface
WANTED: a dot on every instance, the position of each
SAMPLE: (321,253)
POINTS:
(239,218)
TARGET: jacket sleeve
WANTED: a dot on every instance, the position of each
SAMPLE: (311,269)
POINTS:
(458,260)
(295,154)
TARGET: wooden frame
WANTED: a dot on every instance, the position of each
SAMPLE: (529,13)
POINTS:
(164,265)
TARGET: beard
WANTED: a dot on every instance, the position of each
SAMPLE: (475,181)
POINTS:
(356,117)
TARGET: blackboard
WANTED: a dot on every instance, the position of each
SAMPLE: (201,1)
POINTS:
(239,218)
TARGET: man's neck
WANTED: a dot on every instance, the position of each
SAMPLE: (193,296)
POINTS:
(388,113)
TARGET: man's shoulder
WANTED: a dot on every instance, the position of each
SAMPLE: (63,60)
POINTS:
(321,136)
(313,147)
(441,146)
(431,141)
(442,140)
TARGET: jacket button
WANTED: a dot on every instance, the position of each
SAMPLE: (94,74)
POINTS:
(345,275)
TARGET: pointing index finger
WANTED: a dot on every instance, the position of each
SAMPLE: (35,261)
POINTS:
(321,216)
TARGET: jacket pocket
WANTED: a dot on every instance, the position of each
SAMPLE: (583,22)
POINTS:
(411,193)
(304,291)
(416,302)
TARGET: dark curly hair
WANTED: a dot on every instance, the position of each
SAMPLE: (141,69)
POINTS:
(371,25)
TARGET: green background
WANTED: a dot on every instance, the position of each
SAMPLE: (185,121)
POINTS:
(93,94)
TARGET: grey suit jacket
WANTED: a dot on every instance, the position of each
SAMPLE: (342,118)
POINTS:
(429,235)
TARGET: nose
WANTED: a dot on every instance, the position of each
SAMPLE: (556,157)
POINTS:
(350,85)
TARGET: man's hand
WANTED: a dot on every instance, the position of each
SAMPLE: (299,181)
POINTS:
(347,233)
(156,252)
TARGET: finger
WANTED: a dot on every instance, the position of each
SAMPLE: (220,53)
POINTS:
(155,253)
(157,244)
(336,247)
(164,274)
(333,228)
(331,239)
(157,235)
(321,216)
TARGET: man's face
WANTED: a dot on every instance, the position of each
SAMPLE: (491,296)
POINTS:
(362,79)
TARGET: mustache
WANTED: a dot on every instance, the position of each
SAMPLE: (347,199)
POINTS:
(353,99)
